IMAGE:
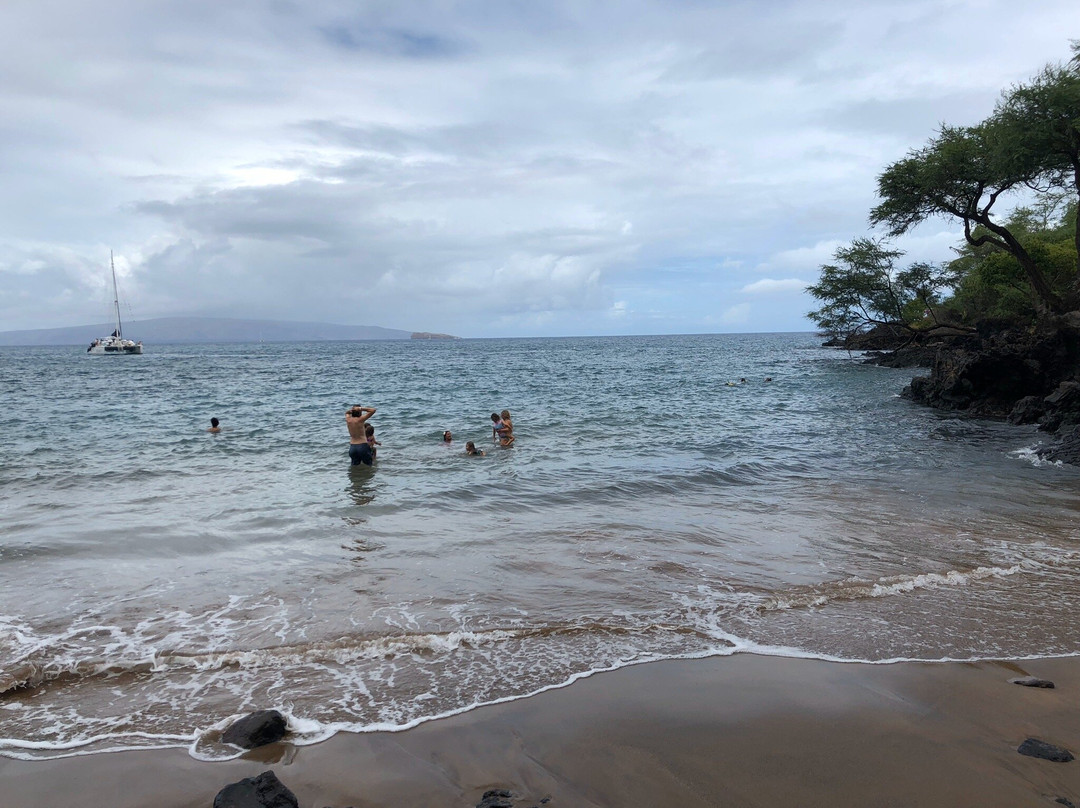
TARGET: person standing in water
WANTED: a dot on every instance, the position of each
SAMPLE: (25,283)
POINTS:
(359,448)
(506,434)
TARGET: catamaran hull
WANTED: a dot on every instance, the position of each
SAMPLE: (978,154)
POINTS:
(115,350)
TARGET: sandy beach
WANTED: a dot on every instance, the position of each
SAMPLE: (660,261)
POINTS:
(733,731)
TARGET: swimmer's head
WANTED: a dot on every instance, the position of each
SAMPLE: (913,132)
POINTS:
(506,415)
(447,436)
(369,430)
(214,422)
(356,412)
(494,417)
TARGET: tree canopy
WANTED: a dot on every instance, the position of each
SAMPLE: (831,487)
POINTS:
(864,289)
(1012,181)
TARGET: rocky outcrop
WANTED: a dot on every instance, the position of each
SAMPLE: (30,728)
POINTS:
(1029,376)
(883,337)
(1026,377)
(1066,449)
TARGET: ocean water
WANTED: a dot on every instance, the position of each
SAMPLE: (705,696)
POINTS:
(157,581)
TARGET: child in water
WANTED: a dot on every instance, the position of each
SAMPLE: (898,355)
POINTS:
(369,430)
(470,449)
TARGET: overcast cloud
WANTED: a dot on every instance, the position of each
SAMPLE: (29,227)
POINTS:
(484,169)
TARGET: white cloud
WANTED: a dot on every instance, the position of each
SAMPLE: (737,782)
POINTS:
(769,286)
(738,314)
(805,258)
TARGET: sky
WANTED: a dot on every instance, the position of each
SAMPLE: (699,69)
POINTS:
(482,169)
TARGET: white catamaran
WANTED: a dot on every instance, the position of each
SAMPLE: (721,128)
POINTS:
(115,342)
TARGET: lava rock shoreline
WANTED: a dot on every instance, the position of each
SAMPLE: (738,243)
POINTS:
(999,372)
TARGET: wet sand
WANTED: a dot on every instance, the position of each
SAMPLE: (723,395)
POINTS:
(734,731)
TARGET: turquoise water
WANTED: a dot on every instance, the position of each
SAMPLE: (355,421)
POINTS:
(156,580)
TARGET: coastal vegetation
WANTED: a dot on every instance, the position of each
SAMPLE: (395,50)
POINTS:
(999,321)
(1020,265)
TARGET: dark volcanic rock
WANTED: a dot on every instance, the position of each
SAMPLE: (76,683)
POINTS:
(1066,397)
(1028,410)
(1031,681)
(884,337)
(496,798)
(1006,373)
(256,729)
(1033,747)
(1066,450)
(910,356)
(264,791)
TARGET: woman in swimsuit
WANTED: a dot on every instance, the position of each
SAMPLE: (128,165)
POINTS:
(506,434)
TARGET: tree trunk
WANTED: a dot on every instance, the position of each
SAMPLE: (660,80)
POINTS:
(1046,300)
(1075,302)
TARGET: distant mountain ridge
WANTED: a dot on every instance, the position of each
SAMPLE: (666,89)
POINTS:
(204,329)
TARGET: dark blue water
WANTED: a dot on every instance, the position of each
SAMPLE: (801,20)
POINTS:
(156,580)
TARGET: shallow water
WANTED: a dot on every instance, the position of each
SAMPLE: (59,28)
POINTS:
(156,580)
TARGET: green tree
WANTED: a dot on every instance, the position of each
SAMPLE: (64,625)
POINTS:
(959,174)
(1037,133)
(864,289)
(1030,144)
(991,282)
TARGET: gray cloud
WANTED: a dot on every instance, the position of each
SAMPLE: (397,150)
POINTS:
(475,168)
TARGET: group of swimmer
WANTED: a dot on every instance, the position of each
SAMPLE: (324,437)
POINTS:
(502,434)
(743,381)
(363,446)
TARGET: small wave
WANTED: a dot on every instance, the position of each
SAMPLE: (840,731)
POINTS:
(855,589)
(1030,454)
(30,673)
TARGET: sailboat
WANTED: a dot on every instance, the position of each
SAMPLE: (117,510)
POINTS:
(115,342)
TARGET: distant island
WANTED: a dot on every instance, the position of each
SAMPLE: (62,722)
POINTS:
(429,335)
(211,329)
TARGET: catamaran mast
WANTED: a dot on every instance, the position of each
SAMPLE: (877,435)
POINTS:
(116,297)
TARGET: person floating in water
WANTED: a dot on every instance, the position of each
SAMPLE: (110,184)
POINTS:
(369,430)
(447,436)
(470,449)
(214,425)
(359,448)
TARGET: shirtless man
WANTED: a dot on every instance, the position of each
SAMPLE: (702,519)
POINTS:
(359,448)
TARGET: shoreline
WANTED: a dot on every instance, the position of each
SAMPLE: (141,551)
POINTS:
(734,730)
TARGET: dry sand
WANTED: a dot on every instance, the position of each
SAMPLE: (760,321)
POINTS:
(733,731)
